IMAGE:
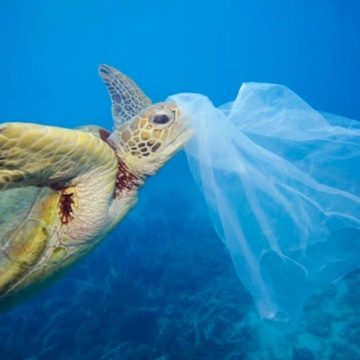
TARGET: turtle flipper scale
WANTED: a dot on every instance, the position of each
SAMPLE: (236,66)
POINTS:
(35,155)
(127,99)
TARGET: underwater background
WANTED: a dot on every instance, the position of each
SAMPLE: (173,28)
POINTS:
(162,285)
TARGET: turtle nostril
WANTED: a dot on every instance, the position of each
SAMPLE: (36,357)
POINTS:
(160,119)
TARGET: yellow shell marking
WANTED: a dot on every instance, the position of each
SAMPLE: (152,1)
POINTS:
(26,244)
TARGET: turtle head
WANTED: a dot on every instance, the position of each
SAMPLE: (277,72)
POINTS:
(152,137)
(145,135)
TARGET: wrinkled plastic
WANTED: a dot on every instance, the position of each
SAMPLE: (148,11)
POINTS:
(282,182)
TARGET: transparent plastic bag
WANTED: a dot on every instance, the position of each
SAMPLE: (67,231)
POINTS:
(282,182)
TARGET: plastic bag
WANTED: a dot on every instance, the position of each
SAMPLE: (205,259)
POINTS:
(282,182)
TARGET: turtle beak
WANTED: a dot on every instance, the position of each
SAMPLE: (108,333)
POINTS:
(182,133)
(177,144)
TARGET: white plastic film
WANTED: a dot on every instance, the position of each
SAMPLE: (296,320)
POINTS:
(282,182)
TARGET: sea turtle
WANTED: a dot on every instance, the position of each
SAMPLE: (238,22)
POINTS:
(62,190)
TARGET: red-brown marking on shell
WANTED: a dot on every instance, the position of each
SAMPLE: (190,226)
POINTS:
(125,179)
(66,203)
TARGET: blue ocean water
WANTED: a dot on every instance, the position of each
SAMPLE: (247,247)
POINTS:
(162,285)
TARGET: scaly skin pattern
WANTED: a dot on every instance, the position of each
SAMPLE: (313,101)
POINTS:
(43,242)
(144,145)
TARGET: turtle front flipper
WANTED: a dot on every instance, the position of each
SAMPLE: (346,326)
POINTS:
(55,189)
(47,156)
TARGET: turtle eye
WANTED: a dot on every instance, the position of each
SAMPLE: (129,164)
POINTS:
(161,119)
